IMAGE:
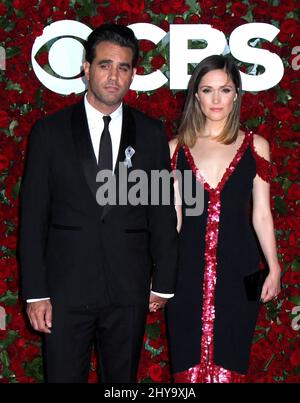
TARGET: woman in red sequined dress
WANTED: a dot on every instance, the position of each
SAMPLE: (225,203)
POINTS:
(210,319)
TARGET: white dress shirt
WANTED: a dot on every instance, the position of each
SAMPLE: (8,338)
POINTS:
(96,125)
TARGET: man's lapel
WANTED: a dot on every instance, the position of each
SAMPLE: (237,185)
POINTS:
(128,138)
(84,147)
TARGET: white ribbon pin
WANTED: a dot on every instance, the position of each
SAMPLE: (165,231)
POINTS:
(128,154)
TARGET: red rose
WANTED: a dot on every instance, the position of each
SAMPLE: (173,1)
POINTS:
(277,13)
(261,349)
(3,119)
(32,351)
(173,7)
(294,192)
(282,113)
(260,12)
(42,58)
(289,26)
(178,20)
(155,6)
(146,45)
(239,9)
(165,25)
(156,344)
(143,366)
(132,6)
(37,29)
(155,372)
(45,10)
(10,242)
(220,8)
(158,61)
(3,287)
(4,162)
(195,19)
(5,271)
(16,367)
(19,4)
(152,318)
(3,9)
(295,358)
(93,377)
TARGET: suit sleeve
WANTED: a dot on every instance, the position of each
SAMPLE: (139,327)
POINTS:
(162,225)
(35,202)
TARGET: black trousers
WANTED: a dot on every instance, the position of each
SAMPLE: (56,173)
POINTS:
(116,331)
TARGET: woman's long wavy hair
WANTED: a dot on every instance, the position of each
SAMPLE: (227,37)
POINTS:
(193,119)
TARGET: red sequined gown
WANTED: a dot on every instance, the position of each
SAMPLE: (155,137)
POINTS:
(210,321)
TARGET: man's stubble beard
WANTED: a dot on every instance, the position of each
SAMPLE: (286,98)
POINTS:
(109,101)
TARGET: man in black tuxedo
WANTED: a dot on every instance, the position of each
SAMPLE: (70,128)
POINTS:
(87,269)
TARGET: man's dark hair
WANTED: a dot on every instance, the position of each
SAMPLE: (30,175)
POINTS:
(117,34)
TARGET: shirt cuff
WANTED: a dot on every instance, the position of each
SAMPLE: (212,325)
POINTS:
(159,294)
(37,299)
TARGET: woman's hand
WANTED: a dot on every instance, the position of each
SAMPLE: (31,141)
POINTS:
(271,287)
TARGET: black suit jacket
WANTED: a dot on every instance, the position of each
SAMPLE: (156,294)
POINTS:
(72,249)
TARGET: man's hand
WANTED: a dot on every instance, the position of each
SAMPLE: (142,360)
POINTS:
(156,302)
(40,315)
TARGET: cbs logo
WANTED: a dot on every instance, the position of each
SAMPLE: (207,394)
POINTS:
(66,54)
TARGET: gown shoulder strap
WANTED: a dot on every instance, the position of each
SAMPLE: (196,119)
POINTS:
(265,169)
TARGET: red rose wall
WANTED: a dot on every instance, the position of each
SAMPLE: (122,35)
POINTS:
(273,113)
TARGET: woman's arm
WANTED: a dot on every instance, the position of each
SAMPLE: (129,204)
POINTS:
(263,225)
(178,208)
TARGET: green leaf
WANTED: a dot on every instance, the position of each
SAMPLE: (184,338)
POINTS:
(34,369)
(4,358)
(10,86)
(249,16)
(269,362)
(16,189)
(25,108)
(252,123)
(278,233)
(295,265)
(286,184)
(272,312)
(12,51)
(152,330)
(19,13)
(297,371)
(289,144)
(5,343)
(9,298)
(88,9)
(295,299)
(154,351)
(10,227)
(283,96)
(258,337)
(13,124)
(7,252)
(194,6)
(296,127)
(280,205)
(147,380)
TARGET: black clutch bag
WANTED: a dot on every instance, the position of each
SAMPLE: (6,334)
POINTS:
(254,283)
